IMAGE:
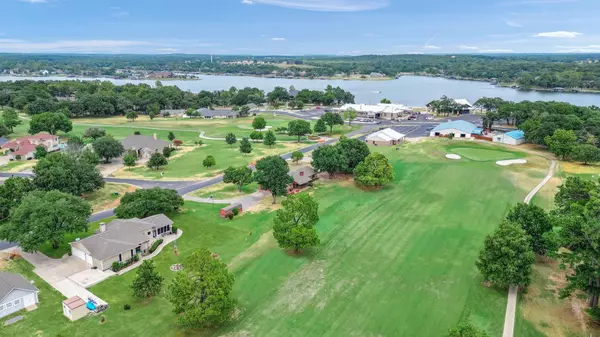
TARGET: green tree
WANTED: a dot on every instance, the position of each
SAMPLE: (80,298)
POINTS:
(201,294)
(295,222)
(320,126)
(269,139)
(328,158)
(130,159)
(374,171)
(108,148)
(156,161)
(209,161)
(299,105)
(573,195)
(350,115)
(354,150)
(65,173)
(297,156)
(153,111)
(131,115)
(40,152)
(75,144)
(44,216)
(51,122)
(244,111)
(171,136)
(239,176)
(4,131)
(562,143)
(94,133)
(506,258)
(586,153)
(89,157)
(245,146)
(256,136)
(299,128)
(385,101)
(535,222)
(11,193)
(272,175)
(466,329)
(230,139)
(147,281)
(259,123)
(146,202)
(10,118)
(332,119)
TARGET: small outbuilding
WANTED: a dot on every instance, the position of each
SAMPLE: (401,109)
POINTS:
(460,129)
(385,137)
(303,176)
(516,137)
(74,308)
(225,211)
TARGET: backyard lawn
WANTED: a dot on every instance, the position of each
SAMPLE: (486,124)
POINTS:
(64,247)
(393,262)
(108,197)
(225,191)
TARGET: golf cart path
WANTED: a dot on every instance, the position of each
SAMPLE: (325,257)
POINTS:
(247,201)
(511,304)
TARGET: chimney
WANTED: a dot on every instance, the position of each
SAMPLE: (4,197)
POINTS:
(102,227)
(155,136)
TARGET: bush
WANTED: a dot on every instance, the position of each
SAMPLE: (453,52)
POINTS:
(451,136)
(135,258)
(199,143)
(281,129)
(126,307)
(256,135)
(235,212)
(155,245)
(174,229)
(167,151)
(137,133)
(116,266)
(230,216)
(18,157)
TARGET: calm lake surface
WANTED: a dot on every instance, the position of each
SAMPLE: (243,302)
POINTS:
(408,90)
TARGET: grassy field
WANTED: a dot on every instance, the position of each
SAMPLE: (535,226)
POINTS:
(225,191)
(393,262)
(105,198)
(65,248)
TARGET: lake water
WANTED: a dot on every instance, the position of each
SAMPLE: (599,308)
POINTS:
(408,90)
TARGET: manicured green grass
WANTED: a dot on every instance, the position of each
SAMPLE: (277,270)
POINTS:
(484,154)
(105,197)
(394,262)
(225,191)
(64,247)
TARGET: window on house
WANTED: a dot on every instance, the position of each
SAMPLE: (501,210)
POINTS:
(159,231)
(168,227)
(9,305)
(149,233)
(1,308)
(17,302)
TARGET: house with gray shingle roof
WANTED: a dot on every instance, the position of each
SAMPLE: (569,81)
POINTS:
(120,240)
(16,293)
(145,146)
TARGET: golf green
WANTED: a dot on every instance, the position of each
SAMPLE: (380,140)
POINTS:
(484,154)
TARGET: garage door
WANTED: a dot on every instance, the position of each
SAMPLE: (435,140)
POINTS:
(28,300)
(88,259)
(76,252)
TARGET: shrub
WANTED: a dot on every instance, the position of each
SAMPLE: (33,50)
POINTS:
(127,307)
(135,258)
(177,143)
(167,151)
(235,212)
(451,136)
(174,229)
(155,245)
(116,266)
(281,129)
(199,143)
(18,157)
(230,216)
(256,135)
(137,133)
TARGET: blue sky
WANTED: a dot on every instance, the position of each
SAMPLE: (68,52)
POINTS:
(299,27)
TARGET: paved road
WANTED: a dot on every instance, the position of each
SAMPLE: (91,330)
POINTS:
(511,303)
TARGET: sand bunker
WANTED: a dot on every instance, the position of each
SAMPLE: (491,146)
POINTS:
(510,162)
(453,156)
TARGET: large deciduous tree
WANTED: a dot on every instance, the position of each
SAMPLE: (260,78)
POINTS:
(156,161)
(201,294)
(586,153)
(374,171)
(94,133)
(146,202)
(354,150)
(259,123)
(269,139)
(108,148)
(51,122)
(295,223)
(320,126)
(239,176)
(66,173)
(350,115)
(332,119)
(561,143)
(272,174)
(536,223)
(230,139)
(10,118)
(328,158)
(245,146)
(11,193)
(45,216)
(209,161)
(299,128)
(506,258)
(147,281)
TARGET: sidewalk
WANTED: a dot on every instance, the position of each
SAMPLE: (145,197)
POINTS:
(247,201)
(166,240)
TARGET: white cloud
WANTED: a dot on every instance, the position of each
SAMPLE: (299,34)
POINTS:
(325,5)
(34,1)
(15,45)
(593,48)
(415,53)
(278,39)
(463,47)
(431,47)
(118,12)
(514,24)
(559,35)
(496,51)
(167,50)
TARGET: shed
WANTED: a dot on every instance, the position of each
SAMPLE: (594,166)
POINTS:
(303,176)
(74,308)
(385,137)
(225,211)
(516,137)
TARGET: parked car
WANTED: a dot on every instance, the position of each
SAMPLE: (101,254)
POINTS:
(412,117)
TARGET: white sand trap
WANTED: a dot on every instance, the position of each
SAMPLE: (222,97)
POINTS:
(453,156)
(246,127)
(511,162)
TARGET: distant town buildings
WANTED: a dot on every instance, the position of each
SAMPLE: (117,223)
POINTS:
(381,110)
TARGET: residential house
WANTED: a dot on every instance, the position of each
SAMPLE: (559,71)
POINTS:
(24,147)
(516,137)
(16,293)
(303,176)
(381,110)
(460,129)
(385,137)
(209,114)
(75,308)
(145,146)
(120,240)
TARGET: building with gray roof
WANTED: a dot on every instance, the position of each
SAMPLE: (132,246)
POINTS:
(145,146)
(16,293)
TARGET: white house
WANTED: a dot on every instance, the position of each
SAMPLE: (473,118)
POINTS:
(460,129)
(385,137)
(16,293)
(381,110)
(516,137)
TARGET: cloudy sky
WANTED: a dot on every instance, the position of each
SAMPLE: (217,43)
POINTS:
(299,27)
